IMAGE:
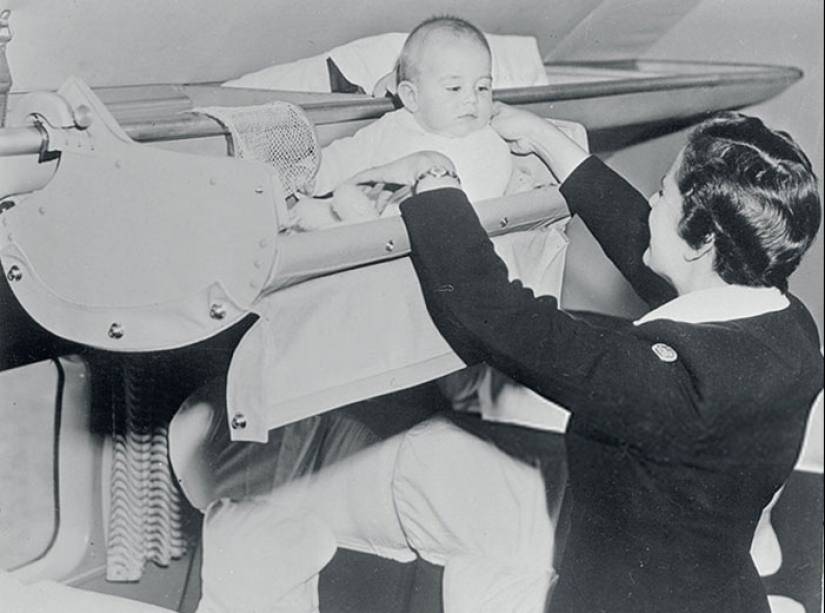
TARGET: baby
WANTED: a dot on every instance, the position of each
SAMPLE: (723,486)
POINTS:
(445,85)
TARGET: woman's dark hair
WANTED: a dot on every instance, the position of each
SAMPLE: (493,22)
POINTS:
(753,192)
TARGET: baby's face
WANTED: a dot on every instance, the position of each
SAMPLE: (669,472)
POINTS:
(454,86)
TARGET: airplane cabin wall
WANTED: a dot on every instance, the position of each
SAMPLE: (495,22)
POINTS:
(108,43)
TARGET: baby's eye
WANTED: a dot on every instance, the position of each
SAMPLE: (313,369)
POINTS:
(454,88)
(483,88)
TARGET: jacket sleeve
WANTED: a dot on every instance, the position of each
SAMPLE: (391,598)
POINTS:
(486,318)
(616,213)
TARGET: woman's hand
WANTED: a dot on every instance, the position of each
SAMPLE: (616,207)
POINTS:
(403,171)
(518,127)
(529,133)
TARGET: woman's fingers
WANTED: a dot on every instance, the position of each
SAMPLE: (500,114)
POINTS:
(402,171)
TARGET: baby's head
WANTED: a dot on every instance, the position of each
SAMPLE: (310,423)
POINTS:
(444,76)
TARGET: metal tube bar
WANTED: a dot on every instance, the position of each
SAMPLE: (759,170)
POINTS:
(150,120)
(21,141)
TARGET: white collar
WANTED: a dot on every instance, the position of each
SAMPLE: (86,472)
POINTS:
(719,304)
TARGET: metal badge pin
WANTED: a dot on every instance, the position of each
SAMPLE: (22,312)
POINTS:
(665,353)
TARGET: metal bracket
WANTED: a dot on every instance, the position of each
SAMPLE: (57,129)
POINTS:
(65,126)
(130,247)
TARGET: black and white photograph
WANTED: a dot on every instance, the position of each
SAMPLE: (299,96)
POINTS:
(447,306)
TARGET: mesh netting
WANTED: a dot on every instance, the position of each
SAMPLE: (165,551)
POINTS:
(277,133)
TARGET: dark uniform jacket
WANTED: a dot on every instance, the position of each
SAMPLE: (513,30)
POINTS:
(680,433)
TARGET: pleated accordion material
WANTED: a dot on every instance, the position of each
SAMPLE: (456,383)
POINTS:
(145,521)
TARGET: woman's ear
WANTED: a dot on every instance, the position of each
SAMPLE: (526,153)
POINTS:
(706,249)
(408,93)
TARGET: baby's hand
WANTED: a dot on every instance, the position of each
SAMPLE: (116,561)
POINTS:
(354,203)
(309,214)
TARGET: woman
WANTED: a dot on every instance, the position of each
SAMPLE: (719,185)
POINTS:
(683,424)
(686,422)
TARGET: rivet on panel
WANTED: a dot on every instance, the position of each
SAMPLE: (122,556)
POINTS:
(389,246)
(116,331)
(238,421)
(259,190)
(14,274)
(217,311)
(504,221)
(82,117)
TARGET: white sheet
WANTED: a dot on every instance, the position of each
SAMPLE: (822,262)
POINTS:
(516,63)
(338,339)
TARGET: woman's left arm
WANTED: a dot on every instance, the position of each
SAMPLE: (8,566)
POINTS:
(486,318)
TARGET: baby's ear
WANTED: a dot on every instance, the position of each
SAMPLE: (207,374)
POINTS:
(408,94)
